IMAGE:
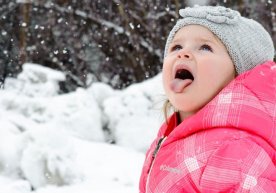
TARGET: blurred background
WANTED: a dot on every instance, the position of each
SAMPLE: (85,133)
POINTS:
(80,89)
(118,42)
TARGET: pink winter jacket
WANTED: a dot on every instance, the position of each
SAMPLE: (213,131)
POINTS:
(227,146)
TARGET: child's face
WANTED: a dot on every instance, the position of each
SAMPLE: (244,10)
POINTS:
(195,69)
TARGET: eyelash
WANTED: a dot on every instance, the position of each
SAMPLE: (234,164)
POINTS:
(176,47)
(204,47)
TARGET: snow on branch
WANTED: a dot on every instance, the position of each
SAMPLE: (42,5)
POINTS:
(160,14)
(109,25)
(99,21)
(24,1)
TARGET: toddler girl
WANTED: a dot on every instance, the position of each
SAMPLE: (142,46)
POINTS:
(219,77)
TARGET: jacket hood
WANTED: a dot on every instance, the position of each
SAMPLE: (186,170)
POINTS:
(248,104)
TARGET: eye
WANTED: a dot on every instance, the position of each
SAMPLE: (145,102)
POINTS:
(176,47)
(206,47)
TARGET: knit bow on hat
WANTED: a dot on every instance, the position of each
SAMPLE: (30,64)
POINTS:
(215,14)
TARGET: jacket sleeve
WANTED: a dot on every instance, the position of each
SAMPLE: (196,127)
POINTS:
(239,166)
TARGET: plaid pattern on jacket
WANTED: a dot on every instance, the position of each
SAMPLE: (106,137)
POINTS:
(227,146)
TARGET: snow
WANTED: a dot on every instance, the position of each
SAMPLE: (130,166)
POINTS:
(197,2)
(60,143)
(131,111)
(23,1)
(42,81)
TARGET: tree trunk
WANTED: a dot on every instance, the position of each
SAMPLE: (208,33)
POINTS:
(25,13)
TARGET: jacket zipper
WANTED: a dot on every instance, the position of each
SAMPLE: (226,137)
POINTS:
(158,146)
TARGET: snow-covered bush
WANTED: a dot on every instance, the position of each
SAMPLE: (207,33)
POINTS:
(51,142)
(35,80)
(134,114)
(101,91)
(77,113)
(9,185)
(49,158)
(10,149)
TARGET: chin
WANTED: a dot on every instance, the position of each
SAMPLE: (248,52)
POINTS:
(187,108)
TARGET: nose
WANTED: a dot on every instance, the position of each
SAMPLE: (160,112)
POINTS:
(184,53)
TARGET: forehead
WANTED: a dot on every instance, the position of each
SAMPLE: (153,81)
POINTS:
(195,32)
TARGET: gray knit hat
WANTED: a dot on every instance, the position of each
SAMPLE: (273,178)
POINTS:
(247,42)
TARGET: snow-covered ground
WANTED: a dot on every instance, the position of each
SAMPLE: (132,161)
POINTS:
(90,140)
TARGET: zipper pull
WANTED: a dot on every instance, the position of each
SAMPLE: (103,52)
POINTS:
(157,146)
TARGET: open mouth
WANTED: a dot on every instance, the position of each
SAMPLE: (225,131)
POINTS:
(184,74)
(182,79)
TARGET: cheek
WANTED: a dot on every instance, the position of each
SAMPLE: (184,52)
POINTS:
(166,72)
(215,77)
(227,73)
(221,71)
(165,78)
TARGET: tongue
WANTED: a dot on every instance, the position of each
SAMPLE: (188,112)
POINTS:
(178,85)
